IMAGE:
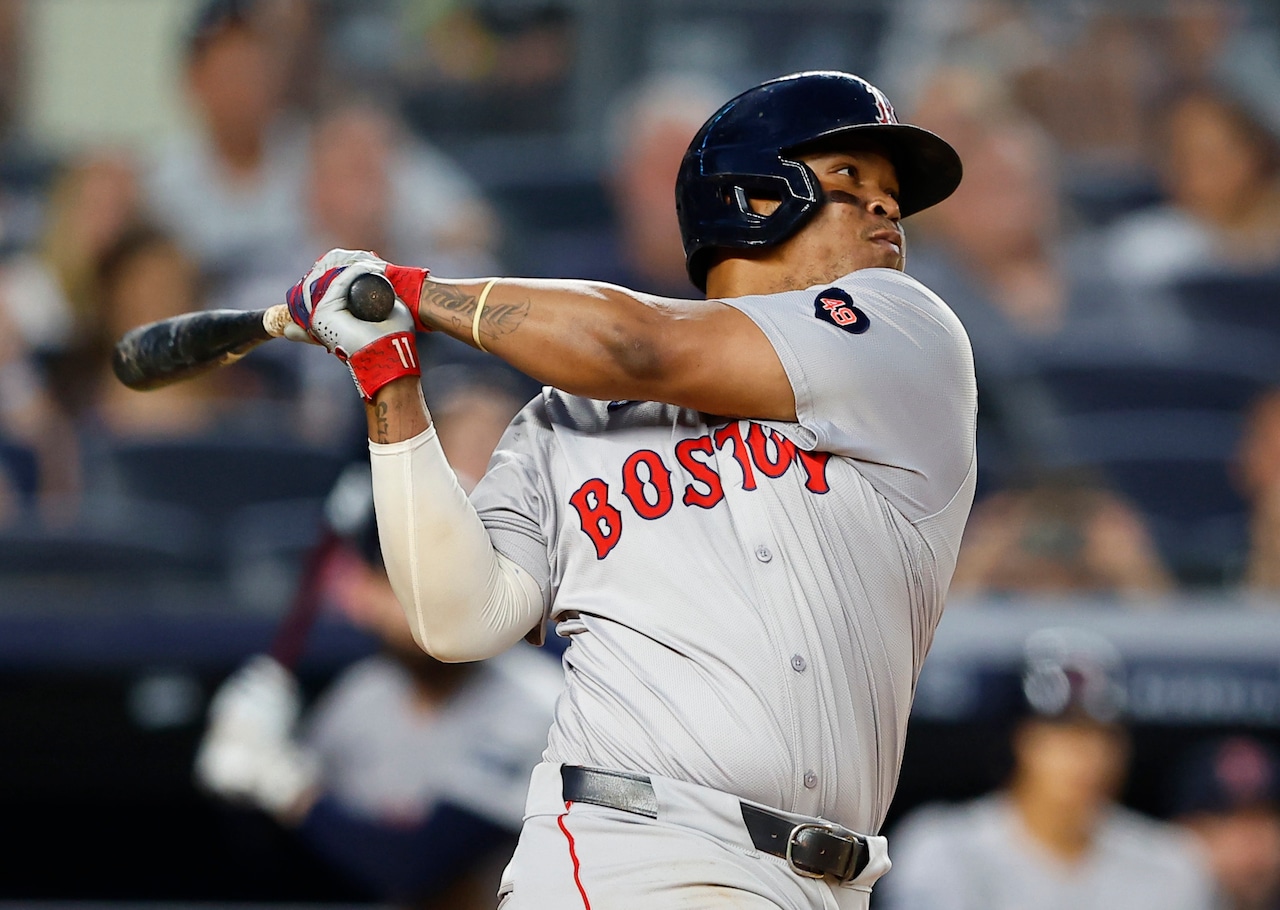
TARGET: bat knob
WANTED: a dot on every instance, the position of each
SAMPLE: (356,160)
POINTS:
(371,298)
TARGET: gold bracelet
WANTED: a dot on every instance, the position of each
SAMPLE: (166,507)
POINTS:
(475,322)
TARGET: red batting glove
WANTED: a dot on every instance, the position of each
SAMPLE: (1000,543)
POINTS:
(375,352)
(408,281)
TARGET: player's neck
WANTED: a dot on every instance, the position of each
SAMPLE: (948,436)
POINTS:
(743,276)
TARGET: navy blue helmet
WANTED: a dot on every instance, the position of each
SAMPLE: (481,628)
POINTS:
(748,149)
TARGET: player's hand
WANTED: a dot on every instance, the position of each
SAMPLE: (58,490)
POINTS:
(375,352)
(406,280)
(248,754)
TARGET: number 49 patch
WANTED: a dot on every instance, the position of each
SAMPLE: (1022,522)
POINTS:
(836,307)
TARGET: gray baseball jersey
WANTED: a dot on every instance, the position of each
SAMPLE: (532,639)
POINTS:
(749,602)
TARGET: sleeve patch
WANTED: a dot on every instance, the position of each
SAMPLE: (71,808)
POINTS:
(836,307)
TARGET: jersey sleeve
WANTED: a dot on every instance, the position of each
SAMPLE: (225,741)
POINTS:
(882,373)
(512,500)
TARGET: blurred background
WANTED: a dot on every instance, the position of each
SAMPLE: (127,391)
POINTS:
(1114,251)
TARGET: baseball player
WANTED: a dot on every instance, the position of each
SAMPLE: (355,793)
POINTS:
(1053,836)
(743,512)
(407,776)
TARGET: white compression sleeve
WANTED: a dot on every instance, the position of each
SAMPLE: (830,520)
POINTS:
(464,600)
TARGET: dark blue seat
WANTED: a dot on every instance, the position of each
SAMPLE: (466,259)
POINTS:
(108,552)
(1161,430)
(217,476)
(1111,383)
(267,545)
(20,467)
(1249,302)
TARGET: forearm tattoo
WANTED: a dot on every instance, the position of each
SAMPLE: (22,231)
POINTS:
(452,309)
(384,426)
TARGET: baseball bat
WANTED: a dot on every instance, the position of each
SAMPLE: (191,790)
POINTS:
(181,347)
(290,638)
(347,508)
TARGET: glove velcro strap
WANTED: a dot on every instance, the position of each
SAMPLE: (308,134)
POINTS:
(382,361)
(408,284)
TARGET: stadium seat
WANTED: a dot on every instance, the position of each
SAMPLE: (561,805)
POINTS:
(115,554)
(1162,431)
(214,477)
(1246,302)
(267,545)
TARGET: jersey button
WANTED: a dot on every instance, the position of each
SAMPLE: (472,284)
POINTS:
(810,780)
(798,663)
(763,553)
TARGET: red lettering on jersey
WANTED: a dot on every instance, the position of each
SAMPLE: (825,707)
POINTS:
(730,432)
(701,472)
(758,444)
(815,470)
(633,487)
(601,521)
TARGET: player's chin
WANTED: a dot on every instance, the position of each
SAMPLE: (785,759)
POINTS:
(880,255)
(893,255)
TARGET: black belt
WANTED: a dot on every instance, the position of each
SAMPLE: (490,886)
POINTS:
(812,849)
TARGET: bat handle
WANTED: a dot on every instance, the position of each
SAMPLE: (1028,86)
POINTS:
(370,299)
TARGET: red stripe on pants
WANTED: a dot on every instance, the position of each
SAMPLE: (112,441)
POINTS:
(573,855)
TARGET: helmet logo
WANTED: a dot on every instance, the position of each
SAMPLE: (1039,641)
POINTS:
(884,110)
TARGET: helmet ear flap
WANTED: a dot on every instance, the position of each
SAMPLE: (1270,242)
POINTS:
(740,189)
(739,198)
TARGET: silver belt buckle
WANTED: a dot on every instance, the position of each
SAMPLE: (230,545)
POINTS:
(791,841)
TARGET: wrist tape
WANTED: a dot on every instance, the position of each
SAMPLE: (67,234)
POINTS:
(381,361)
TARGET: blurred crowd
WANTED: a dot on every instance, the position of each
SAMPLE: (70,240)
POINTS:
(1114,252)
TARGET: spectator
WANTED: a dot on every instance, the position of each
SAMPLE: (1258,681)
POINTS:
(471,405)
(1001,253)
(372,185)
(408,774)
(144,277)
(1221,173)
(1093,74)
(1227,793)
(1257,473)
(489,68)
(648,131)
(1061,536)
(39,457)
(229,188)
(51,293)
(1054,836)
(1001,249)
(50,320)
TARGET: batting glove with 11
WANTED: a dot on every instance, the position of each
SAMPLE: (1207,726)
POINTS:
(375,352)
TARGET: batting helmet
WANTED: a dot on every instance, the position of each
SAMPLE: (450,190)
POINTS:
(748,148)
(1072,674)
